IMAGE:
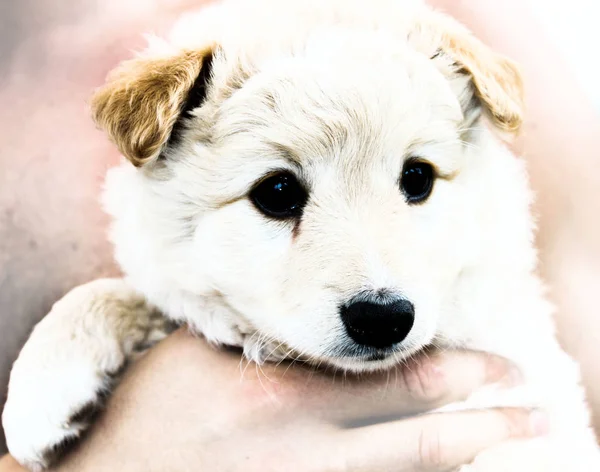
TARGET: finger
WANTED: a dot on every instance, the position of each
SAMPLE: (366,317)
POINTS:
(436,442)
(430,381)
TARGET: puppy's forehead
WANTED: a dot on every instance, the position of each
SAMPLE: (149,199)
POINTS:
(342,94)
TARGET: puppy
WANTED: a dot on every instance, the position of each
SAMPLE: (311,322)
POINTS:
(316,180)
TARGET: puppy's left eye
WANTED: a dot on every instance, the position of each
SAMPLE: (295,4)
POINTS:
(417,181)
(279,196)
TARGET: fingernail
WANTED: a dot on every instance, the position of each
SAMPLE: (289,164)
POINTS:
(436,369)
(514,377)
(503,371)
(539,423)
(496,369)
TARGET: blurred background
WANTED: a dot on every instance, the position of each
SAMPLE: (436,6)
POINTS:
(573,26)
(52,159)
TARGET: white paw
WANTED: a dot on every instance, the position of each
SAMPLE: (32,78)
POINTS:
(68,366)
(545,454)
(51,404)
(466,468)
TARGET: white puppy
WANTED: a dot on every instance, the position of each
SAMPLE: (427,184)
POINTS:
(312,179)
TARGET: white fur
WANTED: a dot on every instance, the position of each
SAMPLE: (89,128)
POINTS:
(465,258)
(69,361)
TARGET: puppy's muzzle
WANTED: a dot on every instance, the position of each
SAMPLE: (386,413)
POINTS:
(378,324)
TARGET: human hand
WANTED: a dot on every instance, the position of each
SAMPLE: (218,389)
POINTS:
(188,407)
(8,464)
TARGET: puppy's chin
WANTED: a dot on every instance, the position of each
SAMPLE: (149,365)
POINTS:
(357,364)
(369,362)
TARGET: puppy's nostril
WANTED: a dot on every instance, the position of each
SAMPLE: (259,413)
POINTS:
(378,324)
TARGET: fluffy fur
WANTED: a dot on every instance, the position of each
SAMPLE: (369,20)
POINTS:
(341,95)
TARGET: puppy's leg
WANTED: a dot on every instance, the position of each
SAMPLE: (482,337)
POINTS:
(568,442)
(69,363)
(551,454)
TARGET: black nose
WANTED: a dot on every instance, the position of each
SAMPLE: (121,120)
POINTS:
(378,324)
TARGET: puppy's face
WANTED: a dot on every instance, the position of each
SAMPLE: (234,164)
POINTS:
(320,195)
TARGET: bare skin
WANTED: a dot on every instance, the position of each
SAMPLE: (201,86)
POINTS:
(251,419)
(260,419)
(54,157)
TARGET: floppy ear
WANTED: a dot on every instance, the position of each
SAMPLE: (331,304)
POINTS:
(144,98)
(495,81)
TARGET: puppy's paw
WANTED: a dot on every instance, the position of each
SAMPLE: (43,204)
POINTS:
(49,406)
(69,364)
(543,454)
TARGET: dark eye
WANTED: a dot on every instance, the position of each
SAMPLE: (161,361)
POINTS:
(279,196)
(417,181)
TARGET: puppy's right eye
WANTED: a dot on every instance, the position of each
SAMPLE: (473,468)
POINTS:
(279,196)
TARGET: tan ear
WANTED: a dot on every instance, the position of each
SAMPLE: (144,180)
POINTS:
(496,79)
(143,99)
